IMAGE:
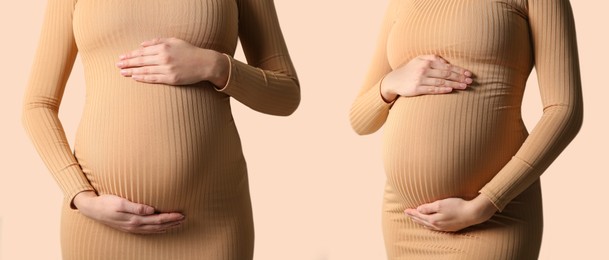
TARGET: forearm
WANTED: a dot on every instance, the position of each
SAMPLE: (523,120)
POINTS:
(555,130)
(266,91)
(46,132)
(214,67)
(369,111)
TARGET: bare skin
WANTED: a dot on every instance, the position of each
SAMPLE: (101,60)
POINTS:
(174,62)
(424,75)
(453,214)
(168,61)
(125,215)
(433,75)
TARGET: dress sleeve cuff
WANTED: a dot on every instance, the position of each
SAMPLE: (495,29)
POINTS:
(512,180)
(369,111)
(230,80)
(374,99)
(238,74)
(73,181)
(266,91)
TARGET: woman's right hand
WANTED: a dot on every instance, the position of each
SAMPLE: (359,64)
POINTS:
(124,215)
(426,74)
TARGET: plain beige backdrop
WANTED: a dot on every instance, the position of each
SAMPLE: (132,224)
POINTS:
(316,186)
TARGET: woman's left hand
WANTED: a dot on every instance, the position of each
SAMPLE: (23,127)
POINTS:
(174,61)
(452,214)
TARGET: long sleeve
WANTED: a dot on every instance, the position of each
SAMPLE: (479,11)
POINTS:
(369,111)
(50,71)
(556,62)
(269,83)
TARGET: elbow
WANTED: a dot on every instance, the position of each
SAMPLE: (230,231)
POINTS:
(291,103)
(33,108)
(576,119)
(360,126)
(290,108)
(25,114)
(294,103)
(287,110)
(569,119)
(363,129)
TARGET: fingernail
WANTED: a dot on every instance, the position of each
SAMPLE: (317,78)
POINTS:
(123,72)
(469,80)
(119,64)
(136,77)
(468,73)
(122,56)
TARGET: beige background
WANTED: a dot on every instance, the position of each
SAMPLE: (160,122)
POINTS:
(316,186)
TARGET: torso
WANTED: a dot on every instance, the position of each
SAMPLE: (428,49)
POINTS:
(175,148)
(451,145)
(439,146)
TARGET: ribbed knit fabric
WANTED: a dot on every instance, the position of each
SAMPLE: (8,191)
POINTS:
(473,141)
(175,148)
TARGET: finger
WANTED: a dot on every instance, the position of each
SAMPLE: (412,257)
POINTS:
(418,221)
(410,211)
(145,70)
(432,90)
(145,51)
(413,213)
(443,83)
(163,227)
(153,229)
(158,219)
(154,41)
(433,57)
(448,75)
(454,68)
(429,208)
(423,223)
(152,78)
(138,61)
(127,206)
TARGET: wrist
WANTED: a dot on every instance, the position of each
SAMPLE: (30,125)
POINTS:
(218,75)
(81,199)
(483,208)
(387,94)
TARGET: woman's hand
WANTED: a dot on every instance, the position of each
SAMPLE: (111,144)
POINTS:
(174,62)
(452,214)
(426,74)
(125,215)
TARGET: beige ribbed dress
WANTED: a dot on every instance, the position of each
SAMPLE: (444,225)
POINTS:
(175,148)
(473,141)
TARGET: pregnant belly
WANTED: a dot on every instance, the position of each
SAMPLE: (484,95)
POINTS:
(173,151)
(437,147)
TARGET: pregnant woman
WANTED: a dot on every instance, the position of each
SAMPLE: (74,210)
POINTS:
(157,170)
(447,82)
